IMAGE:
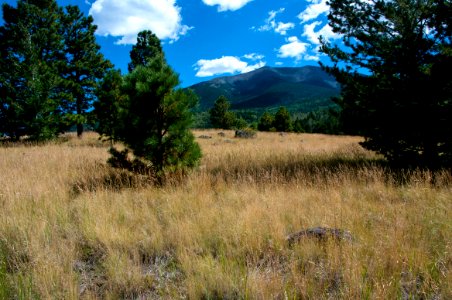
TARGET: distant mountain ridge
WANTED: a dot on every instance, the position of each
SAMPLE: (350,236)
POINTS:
(303,88)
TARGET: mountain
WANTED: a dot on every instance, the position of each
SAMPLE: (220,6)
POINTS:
(299,89)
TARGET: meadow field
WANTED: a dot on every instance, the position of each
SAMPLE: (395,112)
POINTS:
(71,227)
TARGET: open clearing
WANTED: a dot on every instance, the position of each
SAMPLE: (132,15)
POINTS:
(71,227)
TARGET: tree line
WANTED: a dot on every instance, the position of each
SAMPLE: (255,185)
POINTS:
(324,120)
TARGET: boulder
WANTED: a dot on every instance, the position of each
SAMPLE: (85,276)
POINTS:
(245,134)
(321,234)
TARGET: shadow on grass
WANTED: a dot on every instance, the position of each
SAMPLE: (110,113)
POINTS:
(318,170)
(102,177)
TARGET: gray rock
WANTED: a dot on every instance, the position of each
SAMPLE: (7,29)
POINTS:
(245,134)
(321,234)
(204,137)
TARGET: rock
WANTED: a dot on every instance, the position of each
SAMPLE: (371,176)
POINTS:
(204,137)
(222,134)
(321,234)
(245,134)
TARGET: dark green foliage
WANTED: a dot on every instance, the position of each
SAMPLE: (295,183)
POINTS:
(49,65)
(220,116)
(240,123)
(84,65)
(147,46)
(155,117)
(282,121)
(320,121)
(31,50)
(265,122)
(107,105)
(403,106)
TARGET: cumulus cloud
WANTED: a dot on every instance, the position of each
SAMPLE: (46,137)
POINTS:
(271,24)
(224,5)
(125,18)
(315,9)
(294,48)
(313,36)
(223,65)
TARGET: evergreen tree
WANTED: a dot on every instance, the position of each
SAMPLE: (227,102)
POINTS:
(403,105)
(266,122)
(282,120)
(154,119)
(147,46)
(31,49)
(220,116)
(83,67)
(107,105)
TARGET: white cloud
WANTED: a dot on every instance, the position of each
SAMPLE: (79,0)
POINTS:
(311,57)
(226,64)
(294,48)
(313,36)
(254,56)
(315,9)
(271,24)
(279,63)
(224,5)
(125,18)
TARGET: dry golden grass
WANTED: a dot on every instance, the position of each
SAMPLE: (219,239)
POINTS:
(73,228)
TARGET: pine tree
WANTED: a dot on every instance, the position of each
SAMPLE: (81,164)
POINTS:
(31,49)
(402,105)
(83,67)
(147,46)
(220,116)
(266,122)
(282,120)
(107,105)
(154,119)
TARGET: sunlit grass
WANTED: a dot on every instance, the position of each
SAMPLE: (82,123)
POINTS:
(72,227)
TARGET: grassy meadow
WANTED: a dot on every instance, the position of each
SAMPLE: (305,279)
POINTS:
(73,228)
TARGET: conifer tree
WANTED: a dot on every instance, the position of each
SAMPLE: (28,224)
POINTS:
(84,65)
(282,120)
(396,91)
(147,46)
(266,122)
(155,117)
(31,49)
(220,116)
(107,105)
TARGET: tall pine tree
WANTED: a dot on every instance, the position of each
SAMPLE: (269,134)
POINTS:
(84,65)
(31,49)
(403,105)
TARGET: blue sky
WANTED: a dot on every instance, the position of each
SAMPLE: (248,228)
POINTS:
(203,39)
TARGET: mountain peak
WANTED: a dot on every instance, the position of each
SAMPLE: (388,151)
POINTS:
(269,87)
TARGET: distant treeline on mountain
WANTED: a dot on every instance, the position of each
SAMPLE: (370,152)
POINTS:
(301,89)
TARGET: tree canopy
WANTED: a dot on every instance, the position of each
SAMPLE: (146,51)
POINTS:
(396,91)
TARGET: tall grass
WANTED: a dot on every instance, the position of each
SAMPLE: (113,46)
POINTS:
(73,228)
